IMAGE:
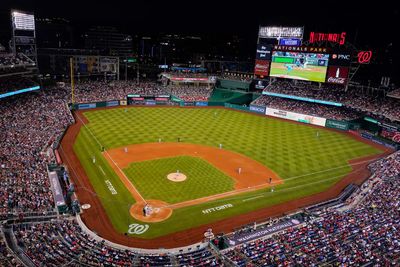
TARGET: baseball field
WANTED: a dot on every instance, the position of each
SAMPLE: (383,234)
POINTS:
(197,166)
(310,73)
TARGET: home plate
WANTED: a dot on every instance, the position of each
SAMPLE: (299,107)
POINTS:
(176,177)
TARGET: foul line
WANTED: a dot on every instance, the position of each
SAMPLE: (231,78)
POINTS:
(126,179)
(101,169)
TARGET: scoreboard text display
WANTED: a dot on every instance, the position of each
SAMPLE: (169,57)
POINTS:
(23,21)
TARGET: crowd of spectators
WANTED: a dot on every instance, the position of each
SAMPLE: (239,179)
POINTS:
(28,122)
(180,74)
(395,93)
(352,98)
(7,257)
(31,121)
(11,60)
(14,83)
(90,91)
(365,235)
(237,77)
(191,93)
(58,243)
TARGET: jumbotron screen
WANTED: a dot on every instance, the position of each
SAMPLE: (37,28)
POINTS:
(299,66)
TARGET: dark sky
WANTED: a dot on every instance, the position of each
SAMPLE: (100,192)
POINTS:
(375,24)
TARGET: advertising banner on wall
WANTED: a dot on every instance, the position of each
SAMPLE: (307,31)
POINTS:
(261,68)
(337,75)
(201,104)
(258,109)
(86,105)
(264,51)
(295,116)
(112,103)
(260,84)
(341,125)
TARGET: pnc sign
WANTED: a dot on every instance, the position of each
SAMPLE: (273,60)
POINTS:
(339,38)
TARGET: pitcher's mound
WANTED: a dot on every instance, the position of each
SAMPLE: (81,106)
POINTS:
(176,177)
(158,211)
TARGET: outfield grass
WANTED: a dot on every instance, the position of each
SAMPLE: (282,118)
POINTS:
(149,177)
(307,164)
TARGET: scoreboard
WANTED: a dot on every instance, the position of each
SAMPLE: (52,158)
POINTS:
(23,21)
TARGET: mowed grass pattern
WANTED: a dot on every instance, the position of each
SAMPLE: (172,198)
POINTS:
(150,178)
(287,148)
(308,164)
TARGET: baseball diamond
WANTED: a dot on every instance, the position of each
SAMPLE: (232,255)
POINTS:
(270,153)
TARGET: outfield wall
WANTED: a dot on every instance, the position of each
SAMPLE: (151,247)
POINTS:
(283,114)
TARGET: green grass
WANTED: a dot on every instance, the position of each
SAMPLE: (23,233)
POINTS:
(203,179)
(307,164)
(317,73)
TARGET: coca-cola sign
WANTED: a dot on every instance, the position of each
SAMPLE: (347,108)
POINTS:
(261,68)
(337,80)
(337,75)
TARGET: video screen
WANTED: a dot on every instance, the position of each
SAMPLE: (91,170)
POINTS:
(299,66)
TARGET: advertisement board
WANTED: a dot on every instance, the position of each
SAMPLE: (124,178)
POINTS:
(189,103)
(337,75)
(87,106)
(161,99)
(201,104)
(264,51)
(261,68)
(379,141)
(260,84)
(343,59)
(299,65)
(281,32)
(295,116)
(341,125)
(258,109)
(290,41)
(112,103)
(150,103)
(247,236)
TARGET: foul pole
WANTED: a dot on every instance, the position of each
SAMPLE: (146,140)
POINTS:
(71,63)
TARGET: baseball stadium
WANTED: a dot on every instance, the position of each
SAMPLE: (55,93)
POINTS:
(291,163)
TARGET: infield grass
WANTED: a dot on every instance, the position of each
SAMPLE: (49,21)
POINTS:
(307,164)
(150,178)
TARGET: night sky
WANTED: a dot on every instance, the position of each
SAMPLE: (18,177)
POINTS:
(367,25)
(214,15)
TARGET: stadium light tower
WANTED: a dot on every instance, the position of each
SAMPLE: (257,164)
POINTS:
(23,38)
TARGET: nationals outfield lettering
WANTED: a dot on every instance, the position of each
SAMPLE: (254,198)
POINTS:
(210,210)
(111,187)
